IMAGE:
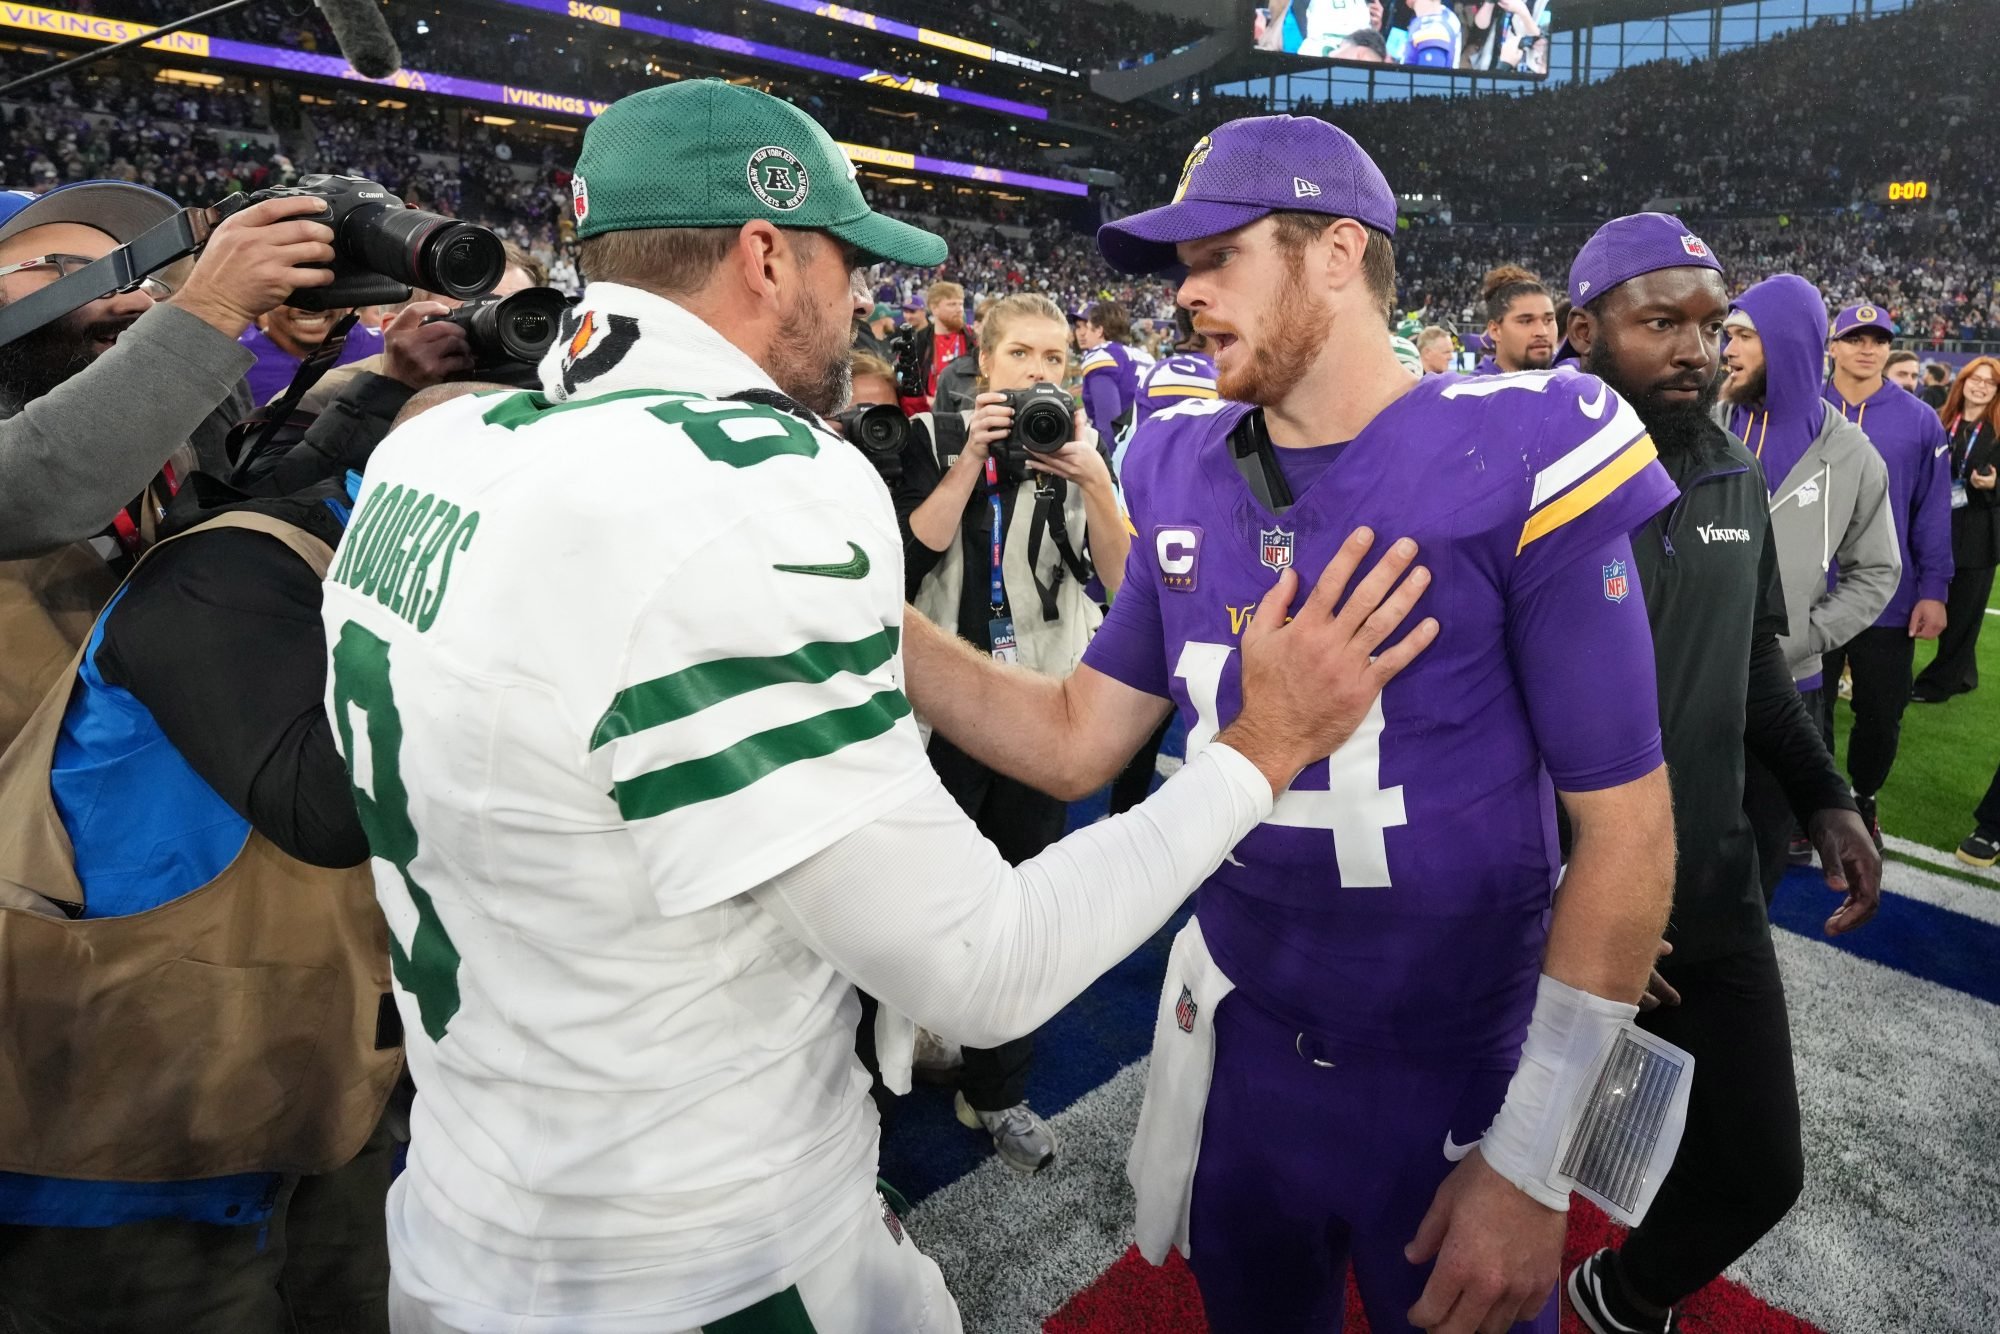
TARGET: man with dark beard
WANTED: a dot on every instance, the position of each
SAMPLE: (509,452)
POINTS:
(1649,305)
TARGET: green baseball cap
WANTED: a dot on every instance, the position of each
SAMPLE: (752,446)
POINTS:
(704,153)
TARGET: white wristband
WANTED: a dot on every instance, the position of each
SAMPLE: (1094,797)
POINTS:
(1567,1038)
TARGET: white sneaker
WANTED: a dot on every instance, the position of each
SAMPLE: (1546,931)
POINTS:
(1022,1139)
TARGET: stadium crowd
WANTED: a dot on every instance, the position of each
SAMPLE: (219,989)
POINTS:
(201,689)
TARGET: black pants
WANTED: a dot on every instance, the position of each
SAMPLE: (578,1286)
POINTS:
(1881,657)
(320,1267)
(1021,822)
(1955,670)
(1741,1164)
(1987,816)
(1136,781)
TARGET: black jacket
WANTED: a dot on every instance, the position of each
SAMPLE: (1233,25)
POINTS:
(219,636)
(1709,571)
(1975,526)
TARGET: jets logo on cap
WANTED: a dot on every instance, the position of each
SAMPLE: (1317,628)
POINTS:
(1197,156)
(1694,245)
(1304,189)
(778,178)
(579,197)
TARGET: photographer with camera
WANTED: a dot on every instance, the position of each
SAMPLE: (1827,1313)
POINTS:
(992,504)
(187,922)
(493,339)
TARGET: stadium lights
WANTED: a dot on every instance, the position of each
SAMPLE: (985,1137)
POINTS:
(188,76)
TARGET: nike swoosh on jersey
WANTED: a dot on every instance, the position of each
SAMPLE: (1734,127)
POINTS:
(855,568)
(1456,1152)
(1938,453)
(1595,408)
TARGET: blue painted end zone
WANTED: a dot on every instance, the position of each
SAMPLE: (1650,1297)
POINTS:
(1909,935)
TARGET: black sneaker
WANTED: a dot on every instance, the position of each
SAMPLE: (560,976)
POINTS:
(1867,806)
(1603,1308)
(1979,849)
(1928,695)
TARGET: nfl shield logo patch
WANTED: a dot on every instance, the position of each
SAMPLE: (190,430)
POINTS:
(1185,1010)
(1694,245)
(1276,546)
(1616,582)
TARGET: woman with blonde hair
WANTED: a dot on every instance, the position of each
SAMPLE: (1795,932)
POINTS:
(999,543)
(1968,414)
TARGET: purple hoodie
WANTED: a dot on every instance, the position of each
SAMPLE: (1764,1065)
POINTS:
(1791,320)
(1911,440)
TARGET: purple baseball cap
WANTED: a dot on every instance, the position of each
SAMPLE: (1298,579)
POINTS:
(1245,170)
(1863,315)
(1637,243)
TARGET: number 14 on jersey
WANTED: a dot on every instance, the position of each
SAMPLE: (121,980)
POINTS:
(1354,807)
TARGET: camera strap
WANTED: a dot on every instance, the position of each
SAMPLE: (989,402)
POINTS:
(311,371)
(1251,450)
(1050,518)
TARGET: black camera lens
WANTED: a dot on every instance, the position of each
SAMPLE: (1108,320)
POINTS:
(879,429)
(463,258)
(1043,421)
(425,250)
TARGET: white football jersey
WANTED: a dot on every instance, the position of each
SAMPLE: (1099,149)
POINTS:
(603,660)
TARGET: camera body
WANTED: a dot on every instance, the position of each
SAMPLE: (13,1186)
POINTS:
(383,248)
(879,431)
(1044,421)
(508,335)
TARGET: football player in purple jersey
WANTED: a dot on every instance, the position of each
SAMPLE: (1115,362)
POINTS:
(1520,321)
(1383,1017)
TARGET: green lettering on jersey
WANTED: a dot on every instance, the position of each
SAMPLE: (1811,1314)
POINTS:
(460,540)
(370,572)
(428,969)
(397,555)
(708,427)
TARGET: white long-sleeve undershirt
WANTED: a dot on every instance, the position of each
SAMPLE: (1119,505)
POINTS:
(920,910)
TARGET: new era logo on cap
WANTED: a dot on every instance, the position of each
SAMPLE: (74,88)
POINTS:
(1304,189)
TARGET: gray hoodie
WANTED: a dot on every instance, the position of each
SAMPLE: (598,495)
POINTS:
(1831,505)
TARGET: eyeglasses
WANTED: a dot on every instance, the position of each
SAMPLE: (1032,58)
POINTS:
(65,265)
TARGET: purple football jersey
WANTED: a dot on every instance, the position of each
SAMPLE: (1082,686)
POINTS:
(1175,379)
(1396,902)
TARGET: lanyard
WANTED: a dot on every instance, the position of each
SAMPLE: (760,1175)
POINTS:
(121,522)
(1962,463)
(993,499)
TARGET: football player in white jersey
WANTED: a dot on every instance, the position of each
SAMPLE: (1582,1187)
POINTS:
(616,670)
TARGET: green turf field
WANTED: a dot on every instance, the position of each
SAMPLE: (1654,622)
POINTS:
(1947,755)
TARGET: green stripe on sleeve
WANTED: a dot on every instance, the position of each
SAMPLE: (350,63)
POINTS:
(737,767)
(677,695)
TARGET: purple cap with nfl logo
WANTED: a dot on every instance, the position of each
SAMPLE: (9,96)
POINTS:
(1863,315)
(1637,243)
(1245,170)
